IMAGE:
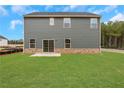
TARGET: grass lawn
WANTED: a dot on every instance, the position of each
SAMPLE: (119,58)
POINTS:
(99,70)
(1,48)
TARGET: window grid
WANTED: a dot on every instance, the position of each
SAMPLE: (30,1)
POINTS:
(67,22)
(93,23)
(32,43)
(67,43)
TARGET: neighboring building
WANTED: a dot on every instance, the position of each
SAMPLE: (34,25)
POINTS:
(64,32)
(3,41)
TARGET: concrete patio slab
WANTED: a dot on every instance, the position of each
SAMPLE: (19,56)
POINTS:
(46,55)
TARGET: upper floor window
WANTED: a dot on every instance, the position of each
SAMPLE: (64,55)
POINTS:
(51,22)
(32,43)
(67,23)
(93,23)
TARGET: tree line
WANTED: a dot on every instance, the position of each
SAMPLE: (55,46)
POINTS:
(20,41)
(112,34)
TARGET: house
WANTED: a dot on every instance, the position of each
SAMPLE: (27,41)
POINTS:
(3,41)
(63,32)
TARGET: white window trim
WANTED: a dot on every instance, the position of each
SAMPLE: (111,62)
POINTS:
(92,27)
(30,43)
(51,21)
(64,23)
(65,43)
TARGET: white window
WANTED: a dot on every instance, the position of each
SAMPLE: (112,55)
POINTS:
(32,43)
(93,23)
(67,43)
(67,23)
(51,22)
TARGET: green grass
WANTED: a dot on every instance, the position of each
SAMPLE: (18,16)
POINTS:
(1,48)
(99,70)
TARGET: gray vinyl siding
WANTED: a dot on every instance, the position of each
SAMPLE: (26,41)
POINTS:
(82,36)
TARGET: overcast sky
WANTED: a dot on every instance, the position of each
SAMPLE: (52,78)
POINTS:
(11,17)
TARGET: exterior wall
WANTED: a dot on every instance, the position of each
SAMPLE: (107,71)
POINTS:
(82,36)
(78,51)
(32,50)
(66,51)
(3,42)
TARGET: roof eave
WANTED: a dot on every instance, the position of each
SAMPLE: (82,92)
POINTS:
(28,16)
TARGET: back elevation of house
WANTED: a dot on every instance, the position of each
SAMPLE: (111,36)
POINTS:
(63,32)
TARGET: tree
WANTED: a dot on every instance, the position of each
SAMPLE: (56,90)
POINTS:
(112,34)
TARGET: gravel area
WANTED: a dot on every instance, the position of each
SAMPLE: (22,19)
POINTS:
(113,50)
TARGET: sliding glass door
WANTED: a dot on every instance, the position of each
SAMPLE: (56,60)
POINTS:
(48,45)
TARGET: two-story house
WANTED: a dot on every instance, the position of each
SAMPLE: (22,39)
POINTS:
(63,32)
